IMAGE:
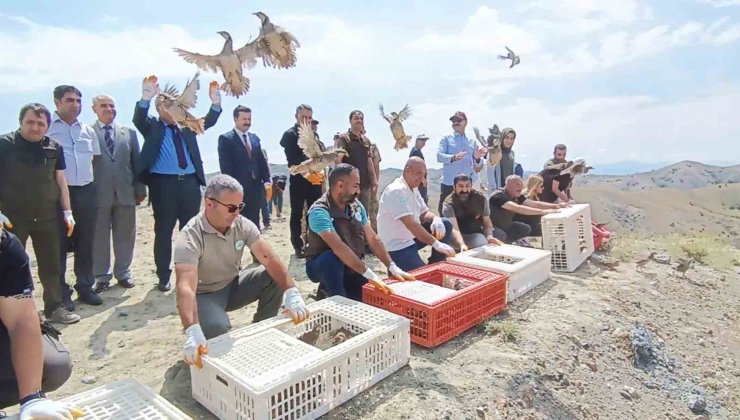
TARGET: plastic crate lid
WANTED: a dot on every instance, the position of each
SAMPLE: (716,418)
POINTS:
(422,292)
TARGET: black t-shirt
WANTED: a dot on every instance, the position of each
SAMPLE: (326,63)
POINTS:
(550,175)
(293,152)
(501,217)
(15,269)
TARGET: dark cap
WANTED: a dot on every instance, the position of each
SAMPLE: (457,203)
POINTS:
(314,121)
(459,114)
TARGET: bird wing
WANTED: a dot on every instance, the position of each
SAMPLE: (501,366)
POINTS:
(249,52)
(190,94)
(479,137)
(509,49)
(204,62)
(307,141)
(383,114)
(405,113)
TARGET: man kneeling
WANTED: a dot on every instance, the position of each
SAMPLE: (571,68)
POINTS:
(404,220)
(469,214)
(210,279)
(338,230)
(32,360)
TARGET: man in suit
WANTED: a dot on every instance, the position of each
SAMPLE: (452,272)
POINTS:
(118,195)
(171,166)
(240,156)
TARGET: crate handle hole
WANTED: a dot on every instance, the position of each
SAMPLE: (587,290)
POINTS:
(222,380)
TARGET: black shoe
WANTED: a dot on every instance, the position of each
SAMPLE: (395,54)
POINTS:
(320,293)
(99,287)
(128,283)
(90,297)
(299,253)
(164,287)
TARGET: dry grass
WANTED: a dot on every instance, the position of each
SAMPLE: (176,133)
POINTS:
(507,329)
(708,250)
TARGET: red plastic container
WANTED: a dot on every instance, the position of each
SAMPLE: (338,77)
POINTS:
(481,294)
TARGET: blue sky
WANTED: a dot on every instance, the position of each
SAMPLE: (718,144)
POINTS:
(626,80)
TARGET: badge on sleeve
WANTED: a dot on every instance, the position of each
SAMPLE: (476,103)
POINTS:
(358,215)
(239,245)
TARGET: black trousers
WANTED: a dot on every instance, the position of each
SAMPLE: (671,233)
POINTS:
(175,199)
(445,190)
(254,197)
(85,212)
(44,235)
(301,193)
(513,233)
(57,367)
(534,223)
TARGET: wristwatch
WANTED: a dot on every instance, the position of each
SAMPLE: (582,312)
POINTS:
(35,396)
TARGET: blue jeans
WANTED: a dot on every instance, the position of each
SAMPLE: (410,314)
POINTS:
(337,279)
(408,258)
(277,200)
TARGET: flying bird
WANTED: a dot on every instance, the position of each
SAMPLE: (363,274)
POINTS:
(177,104)
(510,56)
(317,159)
(492,143)
(576,167)
(395,119)
(274,45)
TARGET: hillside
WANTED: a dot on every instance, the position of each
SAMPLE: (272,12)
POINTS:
(683,176)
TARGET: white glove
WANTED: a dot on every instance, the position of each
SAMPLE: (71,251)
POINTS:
(396,272)
(44,408)
(294,305)
(214,93)
(195,345)
(376,281)
(69,220)
(443,248)
(149,88)
(438,227)
(4,221)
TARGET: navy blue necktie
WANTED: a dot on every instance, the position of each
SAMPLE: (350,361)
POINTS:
(108,139)
(179,148)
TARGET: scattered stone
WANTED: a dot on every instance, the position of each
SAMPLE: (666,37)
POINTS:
(123,313)
(662,259)
(121,344)
(592,365)
(697,404)
(604,327)
(629,393)
(481,412)
(88,380)
(561,296)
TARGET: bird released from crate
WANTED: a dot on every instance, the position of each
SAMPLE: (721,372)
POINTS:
(576,167)
(311,336)
(317,159)
(395,119)
(178,104)
(510,55)
(683,266)
(643,262)
(274,45)
(341,336)
(492,144)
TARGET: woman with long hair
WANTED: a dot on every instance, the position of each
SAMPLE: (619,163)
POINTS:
(535,187)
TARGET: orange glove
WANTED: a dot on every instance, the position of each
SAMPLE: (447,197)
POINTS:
(315,178)
(268,192)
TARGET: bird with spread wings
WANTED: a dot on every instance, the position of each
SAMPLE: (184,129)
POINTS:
(492,144)
(274,45)
(510,56)
(178,105)
(395,119)
(317,159)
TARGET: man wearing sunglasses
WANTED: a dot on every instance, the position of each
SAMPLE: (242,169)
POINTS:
(458,155)
(210,278)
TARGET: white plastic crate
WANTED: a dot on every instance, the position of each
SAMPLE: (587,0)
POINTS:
(124,400)
(568,236)
(526,267)
(264,371)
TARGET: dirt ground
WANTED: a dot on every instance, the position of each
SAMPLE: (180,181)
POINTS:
(572,359)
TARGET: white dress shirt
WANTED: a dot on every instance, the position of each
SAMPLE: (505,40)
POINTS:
(398,200)
(80,144)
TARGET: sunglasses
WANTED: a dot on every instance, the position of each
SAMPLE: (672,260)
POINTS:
(456,120)
(232,208)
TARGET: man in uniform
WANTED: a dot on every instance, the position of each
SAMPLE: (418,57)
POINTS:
(469,215)
(118,195)
(338,231)
(32,188)
(210,278)
(359,155)
(80,145)
(304,189)
(32,359)
(405,223)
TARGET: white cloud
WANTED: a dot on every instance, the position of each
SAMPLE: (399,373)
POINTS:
(722,3)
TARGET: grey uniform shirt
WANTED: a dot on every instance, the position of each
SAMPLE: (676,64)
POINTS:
(218,256)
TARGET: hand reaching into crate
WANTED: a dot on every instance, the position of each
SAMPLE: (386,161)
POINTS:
(44,408)
(443,248)
(399,274)
(294,305)
(195,345)
(376,281)
(438,228)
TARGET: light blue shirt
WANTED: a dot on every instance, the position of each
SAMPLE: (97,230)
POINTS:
(320,221)
(449,146)
(80,144)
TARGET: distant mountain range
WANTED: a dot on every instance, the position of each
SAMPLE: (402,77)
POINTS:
(683,176)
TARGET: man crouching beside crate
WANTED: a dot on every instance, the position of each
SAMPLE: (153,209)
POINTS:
(338,230)
(210,279)
(32,360)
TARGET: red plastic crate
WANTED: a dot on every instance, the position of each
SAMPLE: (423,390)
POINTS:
(433,324)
